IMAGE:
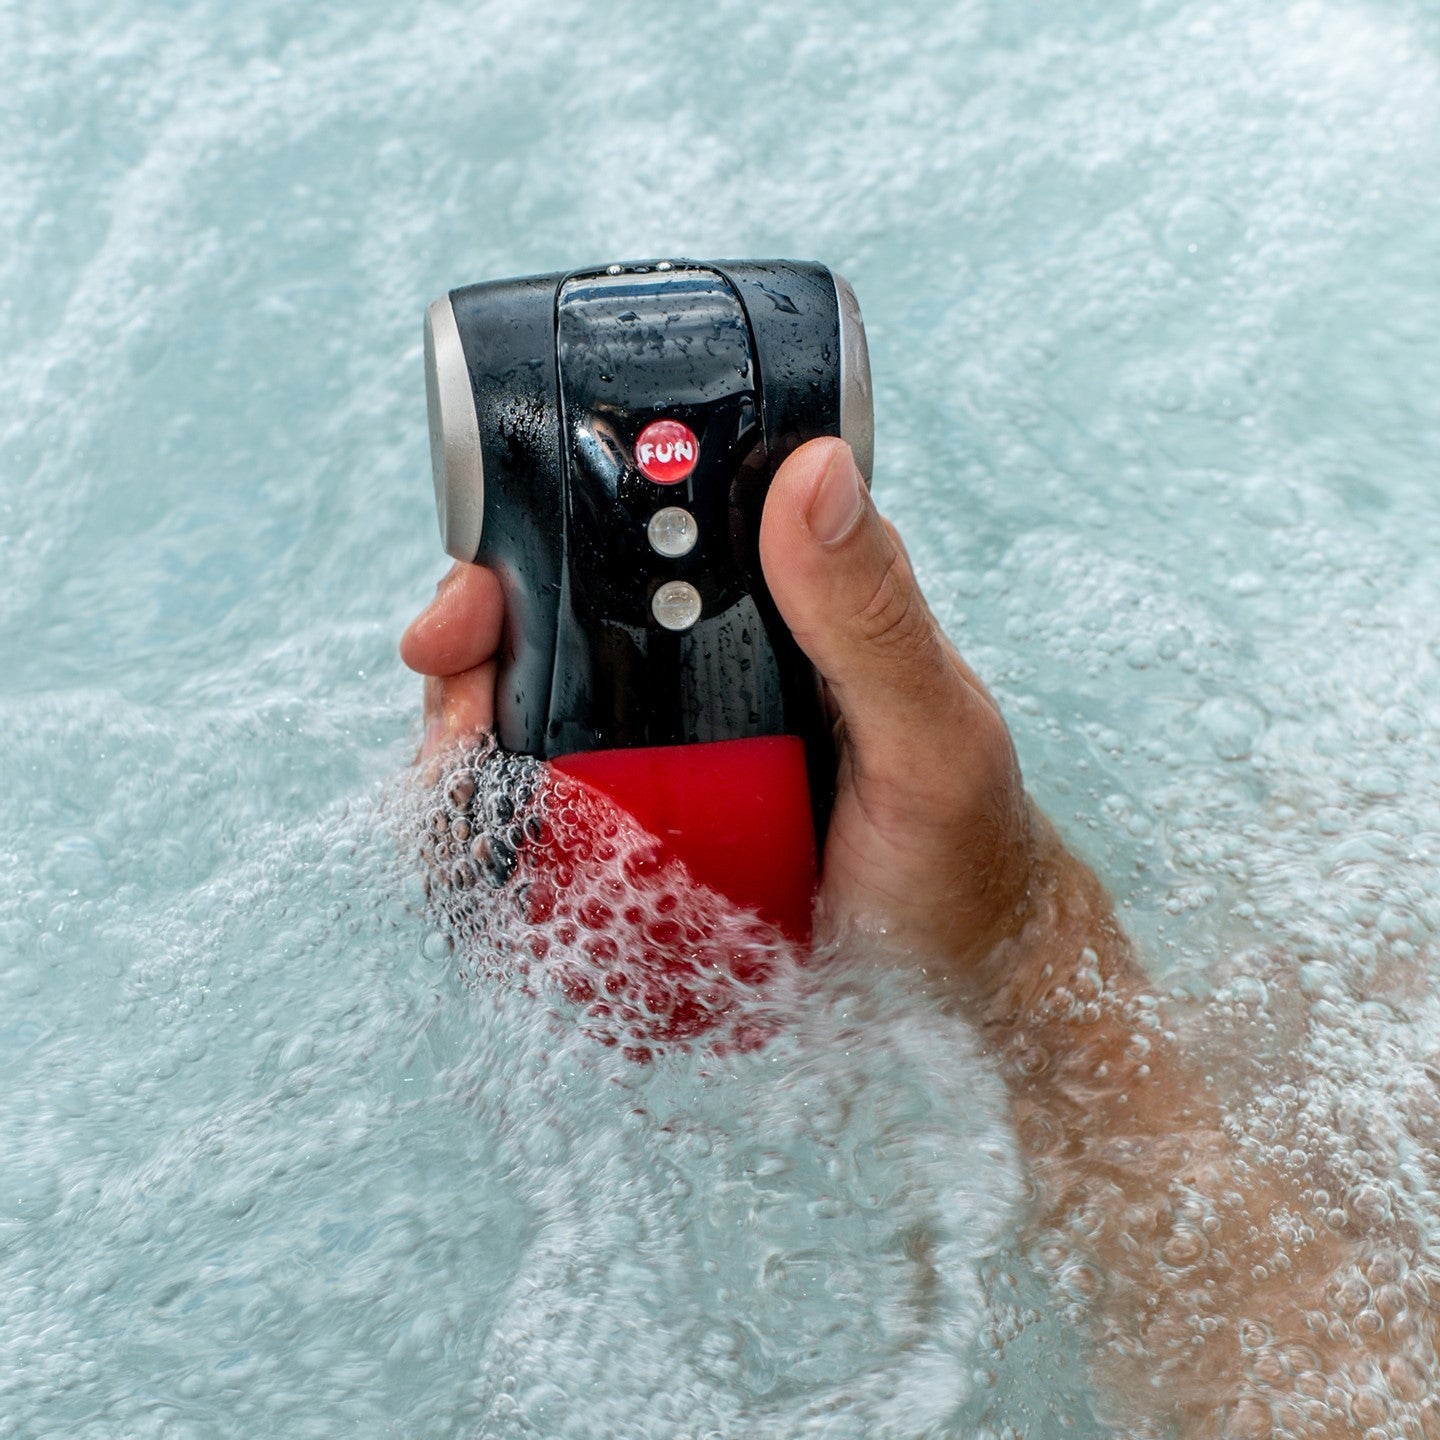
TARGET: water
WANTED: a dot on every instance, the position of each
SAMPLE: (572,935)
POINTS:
(1153,312)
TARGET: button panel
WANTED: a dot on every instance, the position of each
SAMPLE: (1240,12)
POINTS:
(665,477)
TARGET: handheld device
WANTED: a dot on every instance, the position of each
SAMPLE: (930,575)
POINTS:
(604,440)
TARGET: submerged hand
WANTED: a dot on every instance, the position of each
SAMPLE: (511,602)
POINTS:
(930,839)
(932,842)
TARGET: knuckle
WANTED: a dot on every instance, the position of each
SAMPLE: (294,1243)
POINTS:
(894,619)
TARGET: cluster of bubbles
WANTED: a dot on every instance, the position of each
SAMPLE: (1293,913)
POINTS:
(744,1174)
(1251,1268)
(543,882)
(293,1148)
(315,1154)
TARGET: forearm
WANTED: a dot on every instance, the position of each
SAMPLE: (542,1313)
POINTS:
(1198,1268)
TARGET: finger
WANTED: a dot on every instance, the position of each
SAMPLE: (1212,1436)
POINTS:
(458,708)
(844,586)
(460,628)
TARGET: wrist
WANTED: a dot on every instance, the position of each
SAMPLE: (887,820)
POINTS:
(1063,942)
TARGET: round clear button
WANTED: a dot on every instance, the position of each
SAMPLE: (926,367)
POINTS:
(676,605)
(672,532)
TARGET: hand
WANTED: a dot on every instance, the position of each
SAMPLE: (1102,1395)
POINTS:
(930,842)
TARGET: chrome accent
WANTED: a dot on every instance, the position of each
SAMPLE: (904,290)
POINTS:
(455,454)
(857,401)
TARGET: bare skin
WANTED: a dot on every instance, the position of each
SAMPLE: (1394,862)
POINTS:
(1205,1282)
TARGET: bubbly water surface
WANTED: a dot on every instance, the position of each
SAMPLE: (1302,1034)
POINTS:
(1155,324)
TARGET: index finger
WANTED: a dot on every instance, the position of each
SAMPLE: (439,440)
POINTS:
(460,628)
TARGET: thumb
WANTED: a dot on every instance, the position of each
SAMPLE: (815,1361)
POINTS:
(844,586)
(929,838)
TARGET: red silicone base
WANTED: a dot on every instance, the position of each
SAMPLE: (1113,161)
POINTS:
(735,812)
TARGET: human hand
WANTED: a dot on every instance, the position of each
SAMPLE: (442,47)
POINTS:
(930,842)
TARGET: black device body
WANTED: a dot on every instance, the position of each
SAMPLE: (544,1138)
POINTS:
(540,390)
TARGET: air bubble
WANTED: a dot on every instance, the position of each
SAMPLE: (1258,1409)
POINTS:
(1407,1380)
(1249,1419)
(1380,782)
(1368,1205)
(1233,725)
(1268,1366)
(1318,979)
(1032,1060)
(1350,1295)
(1369,1406)
(1250,991)
(1185,1248)
(1389,1301)
(1141,654)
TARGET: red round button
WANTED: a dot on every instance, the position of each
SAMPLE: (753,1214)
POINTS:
(666,451)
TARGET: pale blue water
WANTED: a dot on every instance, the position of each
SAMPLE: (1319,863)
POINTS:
(1155,322)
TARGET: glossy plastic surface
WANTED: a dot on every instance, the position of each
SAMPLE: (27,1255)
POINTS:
(568,371)
(736,812)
